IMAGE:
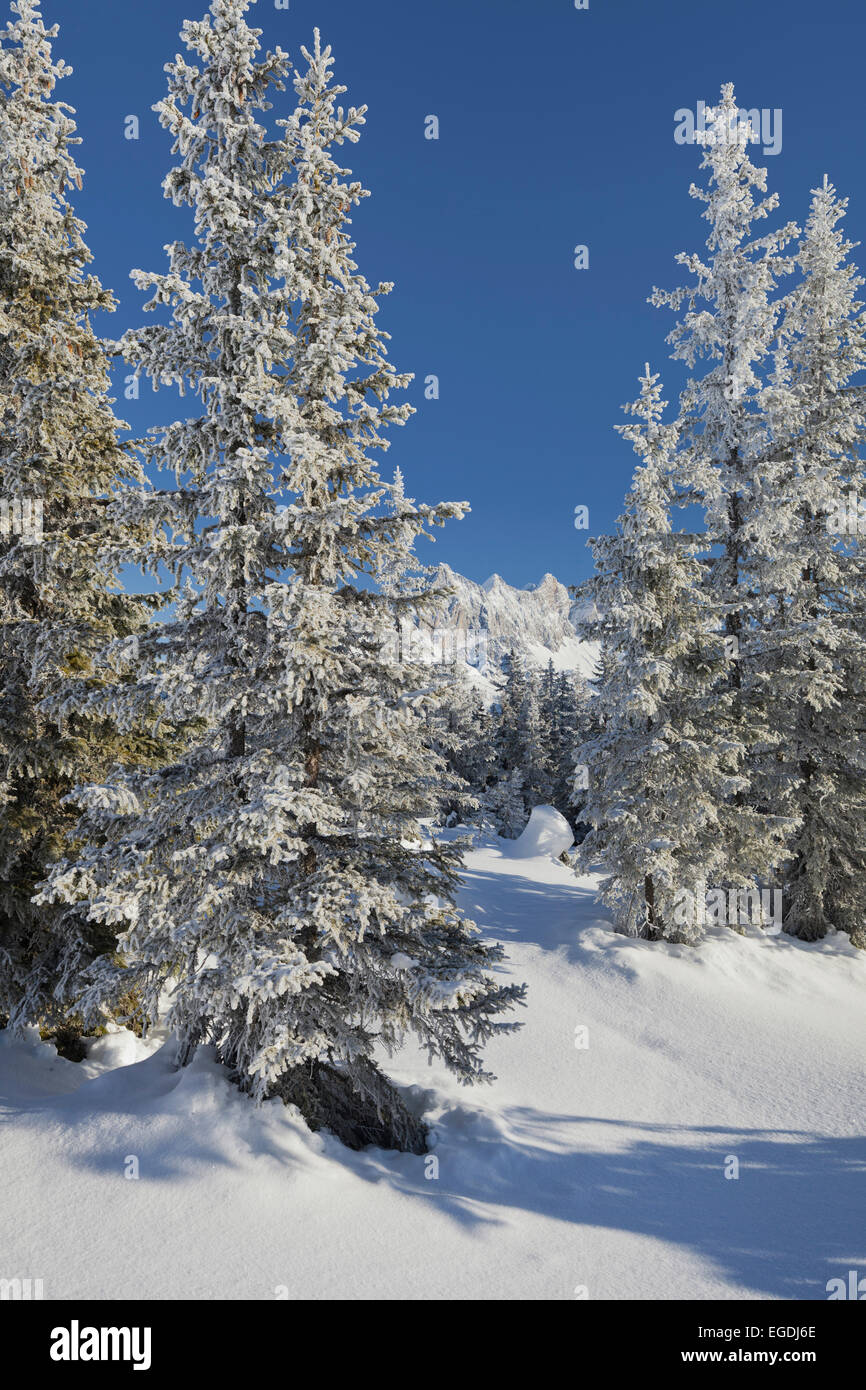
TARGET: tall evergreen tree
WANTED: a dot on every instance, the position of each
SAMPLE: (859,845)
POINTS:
(510,735)
(277,877)
(732,320)
(535,734)
(520,743)
(657,795)
(506,803)
(59,452)
(811,574)
(571,718)
(548,715)
(462,730)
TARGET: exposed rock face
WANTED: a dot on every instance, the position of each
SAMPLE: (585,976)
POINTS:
(487,621)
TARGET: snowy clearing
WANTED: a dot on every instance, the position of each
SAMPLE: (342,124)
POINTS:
(597,1167)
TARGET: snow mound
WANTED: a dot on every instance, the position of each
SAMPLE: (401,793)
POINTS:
(547,832)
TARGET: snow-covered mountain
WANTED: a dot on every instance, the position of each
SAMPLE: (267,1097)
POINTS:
(487,621)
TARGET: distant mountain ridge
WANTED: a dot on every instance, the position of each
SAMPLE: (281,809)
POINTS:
(537,622)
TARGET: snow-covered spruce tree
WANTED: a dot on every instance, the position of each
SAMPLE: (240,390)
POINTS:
(731,320)
(547,698)
(812,576)
(656,794)
(454,722)
(277,878)
(520,744)
(565,711)
(537,763)
(59,460)
(475,759)
(510,733)
(546,763)
(504,801)
(462,731)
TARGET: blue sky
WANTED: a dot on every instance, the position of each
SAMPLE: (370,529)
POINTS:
(556,129)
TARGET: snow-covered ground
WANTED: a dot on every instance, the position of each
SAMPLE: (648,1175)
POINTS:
(596,1163)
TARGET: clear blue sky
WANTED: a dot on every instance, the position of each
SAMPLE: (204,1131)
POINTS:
(557,129)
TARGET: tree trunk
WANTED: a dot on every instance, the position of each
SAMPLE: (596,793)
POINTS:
(361,1110)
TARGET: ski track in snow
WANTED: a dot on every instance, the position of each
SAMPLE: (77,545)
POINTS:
(598,1167)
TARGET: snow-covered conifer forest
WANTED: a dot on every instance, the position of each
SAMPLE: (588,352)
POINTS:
(448,939)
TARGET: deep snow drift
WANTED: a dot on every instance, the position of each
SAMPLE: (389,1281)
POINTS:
(595,1167)
(546,833)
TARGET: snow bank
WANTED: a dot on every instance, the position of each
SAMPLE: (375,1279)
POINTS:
(547,832)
